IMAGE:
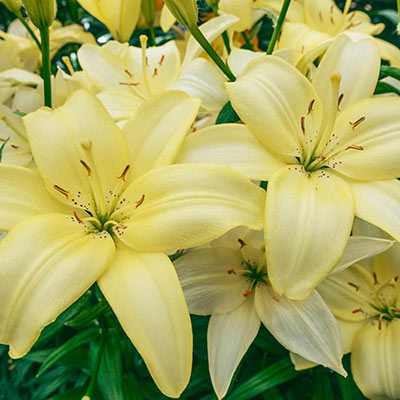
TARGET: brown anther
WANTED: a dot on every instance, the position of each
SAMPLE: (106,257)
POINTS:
(358,122)
(357,310)
(128,73)
(14,146)
(323,158)
(303,125)
(340,99)
(320,16)
(3,140)
(140,201)
(311,107)
(354,286)
(354,147)
(78,218)
(61,190)
(248,293)
(275,299)
(155,73)
(331,9)
(242,243)
(129,84)
(87,168)
(160,63)
(231,271)
(380,324)
(332,20)
(393,281)
(352,15)
(121,226)
(375,278)
(125,172)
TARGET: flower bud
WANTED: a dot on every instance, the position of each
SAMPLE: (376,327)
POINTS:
(13,5)
(149,11)
(41,12)
(185,11)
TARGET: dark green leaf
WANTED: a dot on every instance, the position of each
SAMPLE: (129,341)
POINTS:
(321,385)
(383,87)
(89,315)
(227,115)
(391,71)
(131,388)
(76,341)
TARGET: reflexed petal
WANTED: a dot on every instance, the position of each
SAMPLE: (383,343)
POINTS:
(368,134)
(188,205)
(349,331)
(229,337)
(387,264)
(120,105)
(272,98)
(209,280)
(81,130)
(389,52)
(211,30)
(166,19)
(379,204)
(309,219)
(202,79)
(23,195)
(157,130)
(358,63)
(144,293)
(375,360)
(360,247)
(300,363)
(306,327)
(243,9)
(233,145)
(319,15)
(240,58)
(348,294)
(47,263)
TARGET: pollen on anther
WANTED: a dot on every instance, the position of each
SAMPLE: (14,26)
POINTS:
(303,127)
(354,147)
(231,271)
(140,201)
(87,168)
(248,293)
(242,243)
(78,218)
(340,100)
(354,286)
(358,122)
(311,107)
(161,60)
(61,190)
(125,173)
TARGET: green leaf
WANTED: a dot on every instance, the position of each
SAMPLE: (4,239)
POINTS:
(89,315)
(55,379)
(391,15)
(76,341)
(274,375)
(227,115)
(383,87)
(391,71)
(321,386)
(131,388)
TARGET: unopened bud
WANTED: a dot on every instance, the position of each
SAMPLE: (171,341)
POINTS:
(13,5)
(41,12)
(185,11)
(149,11)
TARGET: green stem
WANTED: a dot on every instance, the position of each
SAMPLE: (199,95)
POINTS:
(224,33)
(46,65)
(93,379)
(278,27)
(247,40)
(205,44)
(152,36)
(29,29)
(73,9)
(398,10)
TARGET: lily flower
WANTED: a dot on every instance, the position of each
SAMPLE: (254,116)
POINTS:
(366,301)
(105,206)
(18,49)
(314,23)
(229,280)
(120,17)
(328,150)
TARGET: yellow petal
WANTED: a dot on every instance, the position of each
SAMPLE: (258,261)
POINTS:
(358,63)
(349,331)
(48,262)
(379,204)
(229,336)
(120,105)
(233,145)
(243,9)
(209,280)
(300,363)
(144,293)
(273,99)
(156,132)
(369,140)
(319,14)
(78,148)
(387,264)
(375,360)
(388,52)
(23,195)
(348,292)
(202,79)
(308,223)
(305,327)
(189,205)
(240,58)
(166,19)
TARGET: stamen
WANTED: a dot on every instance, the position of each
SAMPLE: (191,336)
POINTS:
(87,168)
(129,84)
(14,146)
(358,122)
(161,60)
(375,278)
(248,293)
(10,125)
(354,286)
(155,73)
(61,190)
(303,125)
(143,42)
(357,310)
(128,73)
(241,242)
(320,16)
(68,64)
(140,201)
(78,218)
(332,20)
(124,173)
(231,271)
(341,97)
(354,147)
(311,107)
(275,299)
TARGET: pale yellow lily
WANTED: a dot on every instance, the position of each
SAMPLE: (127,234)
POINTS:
(18,49)
(327,149)
(312,24)
(119,16)
(104,207)
(229,281)
(365,299)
